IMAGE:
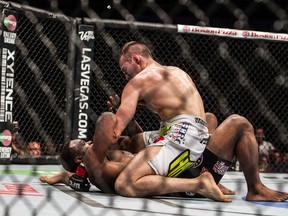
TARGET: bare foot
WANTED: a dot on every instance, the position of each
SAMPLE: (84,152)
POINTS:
(264,194)
(44,179)
(225,190)
(209,189)
(62,177)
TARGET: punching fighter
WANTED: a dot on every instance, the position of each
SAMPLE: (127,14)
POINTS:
(179,144)
(183,136)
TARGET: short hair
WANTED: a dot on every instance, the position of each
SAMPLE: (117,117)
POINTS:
(134,47)
(67,158)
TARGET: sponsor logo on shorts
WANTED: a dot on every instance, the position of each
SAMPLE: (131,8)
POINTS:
(164,129)
(220,168)
(180,133)
(204,140)
(180,163)
(204,169)
(198,162)
(200,121)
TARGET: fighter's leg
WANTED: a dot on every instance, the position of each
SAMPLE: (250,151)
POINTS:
(136,143)
(235,137)
(212,124)
(225,190)
(138,179)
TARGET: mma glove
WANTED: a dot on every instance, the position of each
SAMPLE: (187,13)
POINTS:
(79,181)
(79,184)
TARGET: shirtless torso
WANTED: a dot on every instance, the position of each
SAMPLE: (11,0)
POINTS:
(166,90)
(177,94)
(105,158)
(103,173)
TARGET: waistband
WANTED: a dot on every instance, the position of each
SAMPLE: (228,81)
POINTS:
(185,117)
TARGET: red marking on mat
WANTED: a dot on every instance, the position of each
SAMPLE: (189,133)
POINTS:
(19,190)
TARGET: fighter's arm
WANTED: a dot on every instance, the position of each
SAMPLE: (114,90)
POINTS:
(73,180)
(127,109)
(133,127)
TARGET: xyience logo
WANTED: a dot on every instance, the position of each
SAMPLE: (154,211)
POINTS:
(10,22)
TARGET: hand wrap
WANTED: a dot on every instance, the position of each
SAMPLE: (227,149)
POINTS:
(79,181)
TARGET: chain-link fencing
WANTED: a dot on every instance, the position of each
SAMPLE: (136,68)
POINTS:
(243,76)
(246,74)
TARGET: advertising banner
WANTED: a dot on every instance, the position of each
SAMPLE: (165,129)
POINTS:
(85,52)
(8,33)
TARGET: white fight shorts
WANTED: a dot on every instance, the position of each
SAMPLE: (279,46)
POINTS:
(183,139)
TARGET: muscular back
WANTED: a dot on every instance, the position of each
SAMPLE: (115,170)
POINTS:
(165,90)
(169,91)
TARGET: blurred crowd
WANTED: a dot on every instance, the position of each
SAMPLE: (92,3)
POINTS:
(32,148)
(270,158)
(21,147)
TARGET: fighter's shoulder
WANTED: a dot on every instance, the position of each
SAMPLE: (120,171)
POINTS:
(171,67)
(175,69)
(140,78)
(91,157)
(151,72)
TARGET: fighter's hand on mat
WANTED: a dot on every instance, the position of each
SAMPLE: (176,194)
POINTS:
(79,184)
(113,103)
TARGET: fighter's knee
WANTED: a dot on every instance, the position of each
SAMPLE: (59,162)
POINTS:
(123,189)
(240,121)
(119,187)
(212,121)
(210,116)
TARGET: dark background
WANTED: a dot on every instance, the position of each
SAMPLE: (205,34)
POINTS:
(263,100)
(240,14)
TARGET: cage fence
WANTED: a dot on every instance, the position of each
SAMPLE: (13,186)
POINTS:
(54,100)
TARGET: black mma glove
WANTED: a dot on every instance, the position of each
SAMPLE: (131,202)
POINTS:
(79,184)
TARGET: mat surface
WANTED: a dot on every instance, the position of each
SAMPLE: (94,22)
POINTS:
(21,193)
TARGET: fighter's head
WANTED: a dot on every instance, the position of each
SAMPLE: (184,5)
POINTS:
(73,153)
(260,136)
(133,59)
